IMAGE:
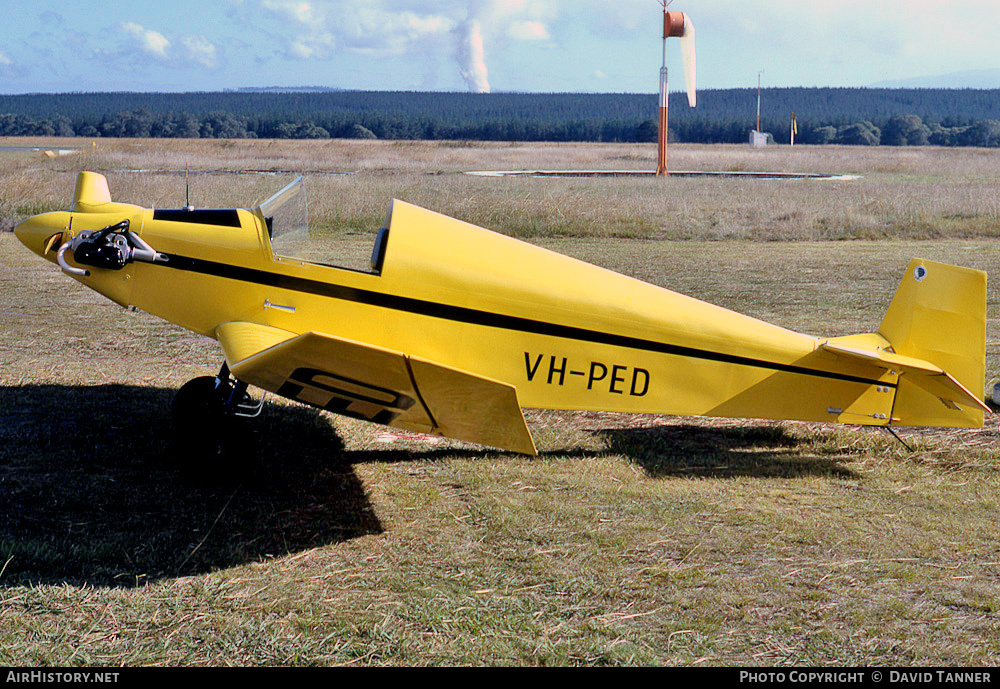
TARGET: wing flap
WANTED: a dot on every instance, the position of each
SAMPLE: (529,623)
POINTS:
(922,373)
(469,407)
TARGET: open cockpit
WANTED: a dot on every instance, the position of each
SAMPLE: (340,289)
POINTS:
(293,239)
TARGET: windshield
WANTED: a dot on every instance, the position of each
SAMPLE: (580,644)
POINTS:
(347,245)
(287,218)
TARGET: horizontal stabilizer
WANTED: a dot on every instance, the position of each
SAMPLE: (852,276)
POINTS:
(922,373)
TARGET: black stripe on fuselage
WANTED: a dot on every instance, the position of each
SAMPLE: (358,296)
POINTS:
(485,318)
(225,217)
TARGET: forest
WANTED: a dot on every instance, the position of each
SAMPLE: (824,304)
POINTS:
(855,116)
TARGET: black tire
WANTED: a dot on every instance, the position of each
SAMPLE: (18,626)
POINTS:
(200,422)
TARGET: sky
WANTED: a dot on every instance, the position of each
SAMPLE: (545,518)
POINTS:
(481,45)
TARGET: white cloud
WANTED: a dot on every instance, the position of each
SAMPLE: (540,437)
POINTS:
(320,29)
(529,30)
(854,40)
(151,42)
(136,40)
(299,11)
(807,40)
(841,42)
(9,69)
(200,50)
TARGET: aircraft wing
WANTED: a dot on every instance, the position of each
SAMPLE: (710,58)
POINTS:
(922,373)
(377,384)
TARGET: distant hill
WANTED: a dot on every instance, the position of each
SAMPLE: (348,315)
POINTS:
(973,79)
(286,89)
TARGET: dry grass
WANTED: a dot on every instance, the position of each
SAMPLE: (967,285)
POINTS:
(630,540)
(919,193)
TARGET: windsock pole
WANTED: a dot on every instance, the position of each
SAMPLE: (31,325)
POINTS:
(661,161)
(674,24)
(661,164)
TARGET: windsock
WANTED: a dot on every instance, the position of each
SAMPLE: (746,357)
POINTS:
(675,25)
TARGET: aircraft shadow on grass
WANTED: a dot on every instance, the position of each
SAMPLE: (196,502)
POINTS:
(91,491)
(759,451)
(95,488)
(677,450)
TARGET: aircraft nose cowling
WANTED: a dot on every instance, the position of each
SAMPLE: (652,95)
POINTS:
(32,235)
(41,232)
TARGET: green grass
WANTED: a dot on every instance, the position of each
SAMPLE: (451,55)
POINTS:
(629,540)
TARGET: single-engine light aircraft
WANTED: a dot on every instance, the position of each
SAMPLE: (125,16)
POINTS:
(455,328)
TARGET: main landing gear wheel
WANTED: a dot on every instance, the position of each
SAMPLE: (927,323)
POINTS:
(200,420)
(203,411)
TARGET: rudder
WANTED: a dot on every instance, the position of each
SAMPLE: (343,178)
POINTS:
(939,315)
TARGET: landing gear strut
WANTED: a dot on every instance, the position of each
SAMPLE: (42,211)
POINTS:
(233,392)
(203,410)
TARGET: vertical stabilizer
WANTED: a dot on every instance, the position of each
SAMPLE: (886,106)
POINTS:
(939,315)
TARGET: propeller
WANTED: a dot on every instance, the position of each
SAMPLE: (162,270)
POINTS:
(53,241)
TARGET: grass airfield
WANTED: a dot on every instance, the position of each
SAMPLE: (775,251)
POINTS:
(629,540)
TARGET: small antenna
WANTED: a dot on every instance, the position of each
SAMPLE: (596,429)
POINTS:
(187,190)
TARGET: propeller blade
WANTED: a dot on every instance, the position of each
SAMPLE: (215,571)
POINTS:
(687,52)
(52,241)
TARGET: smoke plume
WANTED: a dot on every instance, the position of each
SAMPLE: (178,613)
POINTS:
(470,56)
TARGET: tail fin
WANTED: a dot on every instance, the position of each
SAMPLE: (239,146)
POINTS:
(91,190)
(939,315)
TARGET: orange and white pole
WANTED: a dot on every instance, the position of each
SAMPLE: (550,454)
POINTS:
(673,25)
(661,161)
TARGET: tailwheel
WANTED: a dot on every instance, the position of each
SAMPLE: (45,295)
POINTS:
(993,395)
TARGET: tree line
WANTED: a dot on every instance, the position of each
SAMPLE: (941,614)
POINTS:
(911,117)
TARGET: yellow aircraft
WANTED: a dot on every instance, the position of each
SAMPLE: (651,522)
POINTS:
(455,328)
